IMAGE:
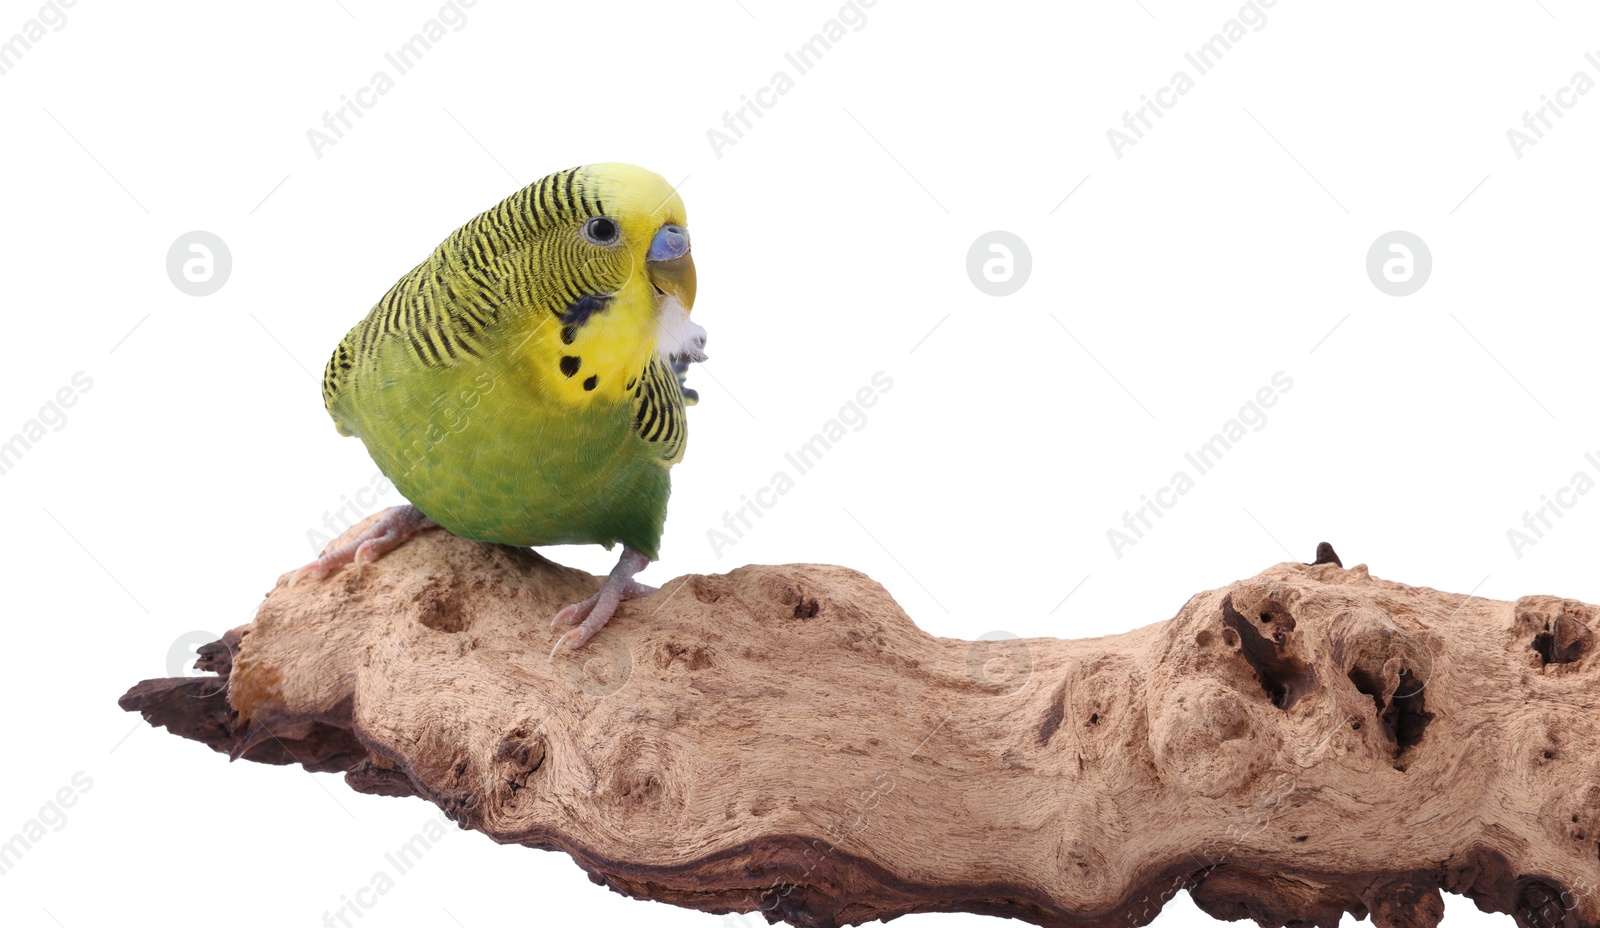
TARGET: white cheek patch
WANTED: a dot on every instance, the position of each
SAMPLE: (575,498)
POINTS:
(678,336)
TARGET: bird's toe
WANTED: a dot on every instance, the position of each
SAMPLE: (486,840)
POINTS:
(575,613)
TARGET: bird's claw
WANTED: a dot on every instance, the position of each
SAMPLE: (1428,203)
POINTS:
(315,570)
(590,615)
(393,528)
(573,638)
(575,613)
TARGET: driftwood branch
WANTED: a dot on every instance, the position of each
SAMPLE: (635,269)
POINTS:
(1307,742)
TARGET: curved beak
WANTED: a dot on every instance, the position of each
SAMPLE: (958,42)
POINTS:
(669,265)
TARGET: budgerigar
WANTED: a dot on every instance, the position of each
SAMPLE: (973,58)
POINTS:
(522,384)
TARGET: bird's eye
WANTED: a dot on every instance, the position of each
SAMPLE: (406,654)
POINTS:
(601,231)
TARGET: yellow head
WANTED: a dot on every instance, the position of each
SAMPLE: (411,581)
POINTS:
(637,218)
(607,268)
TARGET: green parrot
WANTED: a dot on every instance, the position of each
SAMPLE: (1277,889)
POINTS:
(522,385)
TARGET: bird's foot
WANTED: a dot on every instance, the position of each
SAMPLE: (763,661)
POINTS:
(593,613)
(397,525)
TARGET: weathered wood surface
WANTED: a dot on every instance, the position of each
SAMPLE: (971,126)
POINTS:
(1289,747)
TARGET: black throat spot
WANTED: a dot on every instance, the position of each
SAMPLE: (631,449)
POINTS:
(578,313)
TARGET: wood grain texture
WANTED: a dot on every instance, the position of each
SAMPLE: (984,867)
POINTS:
(1306,742)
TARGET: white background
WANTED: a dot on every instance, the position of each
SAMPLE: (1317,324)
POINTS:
(831,240)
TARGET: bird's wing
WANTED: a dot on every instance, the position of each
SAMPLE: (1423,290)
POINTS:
(438,316)
(658,416)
